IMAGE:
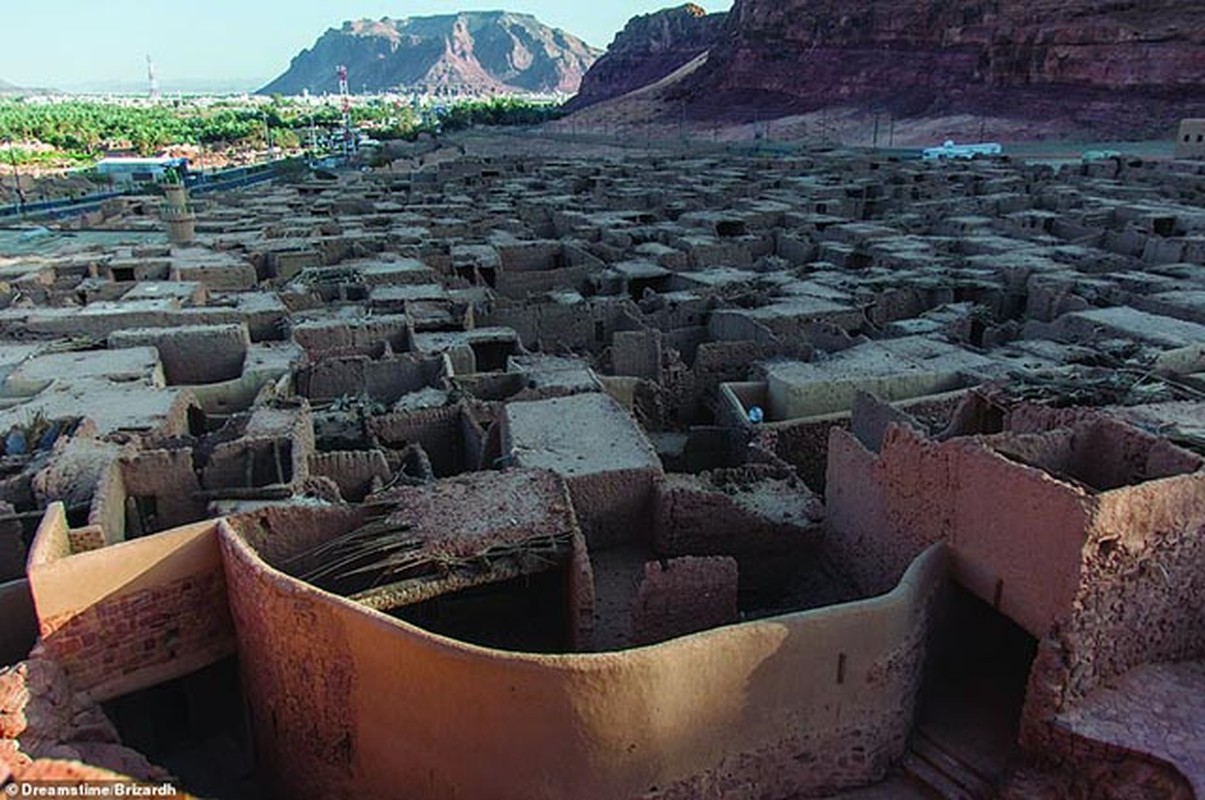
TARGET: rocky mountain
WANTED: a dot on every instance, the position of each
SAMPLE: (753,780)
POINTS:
(648,49)
(472,53)
(1122,60)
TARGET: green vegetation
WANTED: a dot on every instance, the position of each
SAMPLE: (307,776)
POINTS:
(53,158)
(499,111)
(81,129)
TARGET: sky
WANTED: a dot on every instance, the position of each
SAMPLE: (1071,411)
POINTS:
(231,44)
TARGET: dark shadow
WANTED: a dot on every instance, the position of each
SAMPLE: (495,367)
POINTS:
(196,728)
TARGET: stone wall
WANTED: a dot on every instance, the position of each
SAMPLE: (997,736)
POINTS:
(798,704)
(134,614)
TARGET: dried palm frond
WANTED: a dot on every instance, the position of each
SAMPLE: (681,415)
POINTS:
(385,552)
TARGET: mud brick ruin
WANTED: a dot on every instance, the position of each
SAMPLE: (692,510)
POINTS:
(681,474)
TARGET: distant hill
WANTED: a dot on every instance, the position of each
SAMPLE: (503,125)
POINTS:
(5,86)
(472,53)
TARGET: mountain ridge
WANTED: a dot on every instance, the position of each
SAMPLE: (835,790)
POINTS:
(467,53)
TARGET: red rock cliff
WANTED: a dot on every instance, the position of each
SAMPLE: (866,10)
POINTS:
(996,56)
(649,48)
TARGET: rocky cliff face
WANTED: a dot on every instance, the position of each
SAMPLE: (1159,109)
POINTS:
(649,48)
(918,56)
(465,54)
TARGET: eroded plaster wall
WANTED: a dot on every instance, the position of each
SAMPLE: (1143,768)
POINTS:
(1141,599)
(800,703)
(1016,531)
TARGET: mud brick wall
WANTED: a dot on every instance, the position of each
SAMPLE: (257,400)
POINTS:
(723,362)
(352,471)
(321,338)
(278,533)
(473,438)
(684,595)
(579,590)
(551,327)
(698,517)
(614,507)
(228,278)
(193,355)
(803,445)
(170,477)
(637,354)
(90,537)
(440,431)
(108,511)
(809,702)
(686,340)
(1098,769)
(519,285)
(304,697)
(134,614)
(331,378)
(1140,599)
(729,516)
(148,632)
(1023,558)
(385,380)
(253,462)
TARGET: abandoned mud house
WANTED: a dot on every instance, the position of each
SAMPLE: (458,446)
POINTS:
(699,474)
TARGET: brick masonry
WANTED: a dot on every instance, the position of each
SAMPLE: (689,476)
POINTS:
(178,621)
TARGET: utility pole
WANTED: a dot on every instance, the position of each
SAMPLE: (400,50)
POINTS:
(267,137)
(12,157)
(345,97)
(152,80)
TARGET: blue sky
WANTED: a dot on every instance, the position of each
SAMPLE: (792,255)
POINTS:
(70,43)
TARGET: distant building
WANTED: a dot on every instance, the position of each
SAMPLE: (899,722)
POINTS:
(1190,143)
(967,151)
(140,170)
